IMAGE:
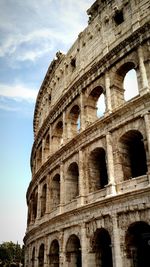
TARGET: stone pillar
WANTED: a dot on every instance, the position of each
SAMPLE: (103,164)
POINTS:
(46,253)
(143,74)
(116,249)
(62,187)
(39,203)
(64,128)
(43,151)
(108,94)
(84,243)
(81,178)
(110,165)
(82,112)
(147,126)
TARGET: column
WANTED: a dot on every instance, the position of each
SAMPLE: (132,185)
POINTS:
(143,74)
(39,203)
(110,164)
(64,128)
(43,151)
(81,178)
(147,126)
(62,188)
(82,112)
(108,93)
(50,141)
(84,246)
(116,250)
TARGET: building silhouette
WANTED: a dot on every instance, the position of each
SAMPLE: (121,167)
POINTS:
(89,197)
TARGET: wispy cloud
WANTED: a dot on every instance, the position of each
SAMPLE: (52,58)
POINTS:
(18,92)
(42,27)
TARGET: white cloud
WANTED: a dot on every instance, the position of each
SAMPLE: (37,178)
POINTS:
(38,28)
(18,92)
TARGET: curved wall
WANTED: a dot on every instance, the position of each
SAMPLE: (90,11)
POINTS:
(88,201)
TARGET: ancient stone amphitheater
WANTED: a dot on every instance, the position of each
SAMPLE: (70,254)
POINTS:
(89,198)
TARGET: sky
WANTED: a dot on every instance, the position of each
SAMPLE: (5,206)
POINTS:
(31,32)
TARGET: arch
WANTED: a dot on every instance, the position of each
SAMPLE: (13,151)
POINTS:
(101,247)
(98,176)
(118,91)
(137,242)
(72,182)
(130,85)
(41,256)
(95,106)
(74,120)
(55,191)
(54,254)
(133,155)
(73,252)
(33,258)
(57,136)
(43,199)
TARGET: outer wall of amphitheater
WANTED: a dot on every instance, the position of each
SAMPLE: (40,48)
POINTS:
(89,197)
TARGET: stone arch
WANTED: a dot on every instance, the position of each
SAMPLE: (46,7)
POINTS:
(43,199)
(33,258)
(41,255)
(101,249)
(72,182)
(137,242)
(55,190)
(117,92)
(73,252)
(98,176)
(74,120)
(94,106)
(57,137)
(133,154)
(39,156)
(54,254)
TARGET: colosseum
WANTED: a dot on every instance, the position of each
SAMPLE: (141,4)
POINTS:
(89,197)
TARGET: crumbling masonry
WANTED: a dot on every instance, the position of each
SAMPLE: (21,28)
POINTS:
(89,198)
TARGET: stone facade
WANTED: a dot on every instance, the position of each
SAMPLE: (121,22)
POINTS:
(89,198)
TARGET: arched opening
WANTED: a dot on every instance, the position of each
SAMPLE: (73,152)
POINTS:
(101,247)
(43,200)
(54,254)
(95,106)
(74,121)
(133,154)
(41,256)
(137,242)
(58,136)
(72,182)
(97,170)
(130,85)
(73,252)
(33,258)
(55,191)
(124,84)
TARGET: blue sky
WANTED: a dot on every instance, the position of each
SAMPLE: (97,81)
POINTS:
(31,32)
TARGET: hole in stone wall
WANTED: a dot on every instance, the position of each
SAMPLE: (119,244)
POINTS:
(118,17)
